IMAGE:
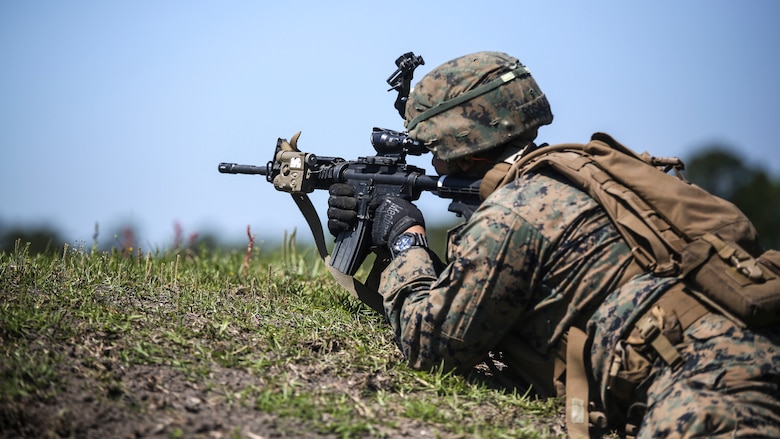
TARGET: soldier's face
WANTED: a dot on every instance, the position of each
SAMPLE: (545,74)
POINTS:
(442,167)
(471,166)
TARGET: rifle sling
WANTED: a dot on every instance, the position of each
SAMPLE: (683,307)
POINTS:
(358,290)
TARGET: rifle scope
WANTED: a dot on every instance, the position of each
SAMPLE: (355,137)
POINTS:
(389,142)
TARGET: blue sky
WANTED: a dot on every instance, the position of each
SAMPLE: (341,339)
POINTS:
(118,113)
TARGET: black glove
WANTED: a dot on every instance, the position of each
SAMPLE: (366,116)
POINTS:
(393,215)
(342,208)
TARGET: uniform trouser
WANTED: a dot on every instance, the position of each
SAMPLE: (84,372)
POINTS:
(728,386)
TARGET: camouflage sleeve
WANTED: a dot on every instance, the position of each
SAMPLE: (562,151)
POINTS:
(458,315)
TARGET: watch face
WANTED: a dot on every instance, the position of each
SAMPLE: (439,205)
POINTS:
(403,242)
(407,240)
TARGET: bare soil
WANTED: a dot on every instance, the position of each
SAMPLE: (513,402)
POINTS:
(98,396)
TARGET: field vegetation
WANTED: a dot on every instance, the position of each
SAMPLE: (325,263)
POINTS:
(222,344)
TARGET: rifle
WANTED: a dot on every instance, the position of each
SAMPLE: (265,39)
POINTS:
(385,174)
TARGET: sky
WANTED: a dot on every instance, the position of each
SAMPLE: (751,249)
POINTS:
(117,113)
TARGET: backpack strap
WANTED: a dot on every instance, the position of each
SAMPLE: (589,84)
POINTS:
(628,212)
(577,388)
(653,241)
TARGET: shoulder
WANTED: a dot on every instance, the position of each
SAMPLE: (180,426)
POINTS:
(545,200)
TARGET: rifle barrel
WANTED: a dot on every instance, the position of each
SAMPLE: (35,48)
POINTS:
(235,168)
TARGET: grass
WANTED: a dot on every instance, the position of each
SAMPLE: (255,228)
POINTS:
(195,343)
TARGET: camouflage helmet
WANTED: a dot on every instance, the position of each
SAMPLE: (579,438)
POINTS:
(474,103)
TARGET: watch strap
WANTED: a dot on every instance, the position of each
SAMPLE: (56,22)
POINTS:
(418,240)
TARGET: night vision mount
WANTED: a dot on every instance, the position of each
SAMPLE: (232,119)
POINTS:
(401,79)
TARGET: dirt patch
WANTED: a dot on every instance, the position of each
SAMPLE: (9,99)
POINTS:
(143,401)
(101,399)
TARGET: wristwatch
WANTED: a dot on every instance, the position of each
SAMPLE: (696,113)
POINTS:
(407,240)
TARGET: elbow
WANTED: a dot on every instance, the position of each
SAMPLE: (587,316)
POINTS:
(440,353)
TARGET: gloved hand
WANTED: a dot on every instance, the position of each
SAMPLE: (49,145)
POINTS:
(393,215)
(342,208)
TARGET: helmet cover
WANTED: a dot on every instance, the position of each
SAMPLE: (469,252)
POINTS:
(474,103)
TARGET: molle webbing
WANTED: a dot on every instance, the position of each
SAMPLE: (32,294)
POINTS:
(519,72)
(676,302)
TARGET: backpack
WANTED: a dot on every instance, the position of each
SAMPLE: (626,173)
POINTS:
(673,227)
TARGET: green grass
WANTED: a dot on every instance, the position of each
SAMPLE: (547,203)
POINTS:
(188,344)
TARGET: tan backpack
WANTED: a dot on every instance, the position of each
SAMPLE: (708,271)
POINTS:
(674,228)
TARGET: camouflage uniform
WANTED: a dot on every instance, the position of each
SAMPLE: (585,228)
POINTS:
(533,254)
(539,256)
